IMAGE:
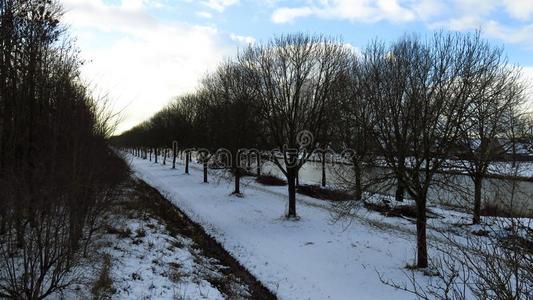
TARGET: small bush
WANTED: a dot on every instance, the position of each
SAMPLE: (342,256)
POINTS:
(270,180)
(316,191)
(140,233)
(136,276)
(175,274)
(495,211)
(121,232)
(480,232)
(408,211)
(243,171)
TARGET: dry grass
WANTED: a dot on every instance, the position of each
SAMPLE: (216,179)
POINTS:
(103,287)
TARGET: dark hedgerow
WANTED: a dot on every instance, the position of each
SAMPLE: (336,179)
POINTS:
(58,173)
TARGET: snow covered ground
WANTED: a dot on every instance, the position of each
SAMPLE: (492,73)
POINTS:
(151,264)
(149,250)
(313,258)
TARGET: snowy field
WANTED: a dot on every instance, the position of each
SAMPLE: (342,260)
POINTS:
(313,258)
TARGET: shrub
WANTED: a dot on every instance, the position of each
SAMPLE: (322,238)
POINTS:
(270,180)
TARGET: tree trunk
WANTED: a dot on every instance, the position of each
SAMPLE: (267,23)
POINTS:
(150,154)
(155,155)
(478,185)
(358,182)
(258,164)
(400,189)
(187,156)
(174,156)
(165,156)
(323,169)
(205,170)
(421,243)
(291,179)
(237,172)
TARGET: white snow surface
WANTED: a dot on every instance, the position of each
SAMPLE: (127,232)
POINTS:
(156,269)
(149,262)
(312,258)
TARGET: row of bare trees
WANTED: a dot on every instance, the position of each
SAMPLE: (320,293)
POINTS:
(495,263)
(414,106)
(56,170)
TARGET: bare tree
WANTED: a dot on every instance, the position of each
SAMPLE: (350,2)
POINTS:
(354,125)
(422,90)
(292,77)
(54,152)
(495,263)
(497,94)
(233,115)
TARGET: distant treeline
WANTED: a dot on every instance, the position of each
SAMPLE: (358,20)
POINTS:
(57,171)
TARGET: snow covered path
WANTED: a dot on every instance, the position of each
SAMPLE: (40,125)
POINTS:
(308,259)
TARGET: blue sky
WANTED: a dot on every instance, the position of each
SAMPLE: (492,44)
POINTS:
(141,53)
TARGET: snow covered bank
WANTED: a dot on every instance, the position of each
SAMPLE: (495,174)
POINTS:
(309,259)
(147,249)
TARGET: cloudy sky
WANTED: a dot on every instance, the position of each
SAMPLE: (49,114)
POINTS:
(141,53)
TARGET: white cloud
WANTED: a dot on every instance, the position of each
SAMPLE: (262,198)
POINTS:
(464,15)
(204,14)
(246,40)
(354,49)
(96,14)
(475,7)
(393,11)
(516,35)
(141,61)
(528,72)
(522,35)
(285,14)
(133,4)
(528,78)
(220,5)
(427,9)
(404,10)
(352,10)
(519,9)
(460,15)
(459,24)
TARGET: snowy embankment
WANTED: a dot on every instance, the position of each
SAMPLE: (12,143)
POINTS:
(312,258)
(147,249)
